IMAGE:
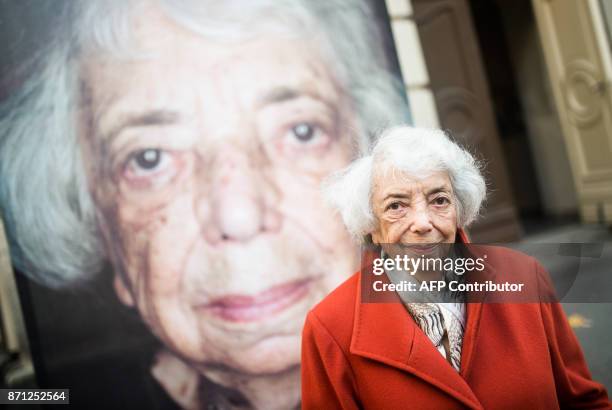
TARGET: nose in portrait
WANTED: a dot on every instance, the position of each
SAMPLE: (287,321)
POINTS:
(240,204)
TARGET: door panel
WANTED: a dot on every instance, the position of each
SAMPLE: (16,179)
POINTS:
(578,60)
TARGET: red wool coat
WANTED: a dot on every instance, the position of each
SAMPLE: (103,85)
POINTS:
(374,356)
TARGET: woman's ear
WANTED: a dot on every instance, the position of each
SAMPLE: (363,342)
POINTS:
(123,293)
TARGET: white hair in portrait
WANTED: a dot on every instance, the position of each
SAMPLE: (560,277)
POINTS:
(50,216)
(417,152)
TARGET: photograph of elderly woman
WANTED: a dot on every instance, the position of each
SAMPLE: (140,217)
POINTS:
(161,165)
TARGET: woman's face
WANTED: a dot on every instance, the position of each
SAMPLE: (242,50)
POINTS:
(205,160)
(415,212)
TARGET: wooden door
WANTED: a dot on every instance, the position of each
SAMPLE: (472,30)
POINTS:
(458,81)
(576,48)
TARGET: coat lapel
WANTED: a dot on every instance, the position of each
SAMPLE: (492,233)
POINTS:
(474,311)
(386,333)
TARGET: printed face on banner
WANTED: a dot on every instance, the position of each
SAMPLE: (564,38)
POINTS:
(204,161)
(171,153)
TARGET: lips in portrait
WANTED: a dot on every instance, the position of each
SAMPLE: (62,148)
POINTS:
(260,306)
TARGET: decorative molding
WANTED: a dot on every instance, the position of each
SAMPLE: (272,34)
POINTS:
(461,108)
(584,86)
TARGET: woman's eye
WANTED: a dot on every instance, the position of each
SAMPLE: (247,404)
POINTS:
(304,132)
(148,159)
(394,206)
(150,167)
(441,200)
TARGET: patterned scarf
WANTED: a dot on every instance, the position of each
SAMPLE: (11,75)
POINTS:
(437,320)
(437,314)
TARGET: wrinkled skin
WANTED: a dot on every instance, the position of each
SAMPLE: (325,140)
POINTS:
(414,215)
(205,161)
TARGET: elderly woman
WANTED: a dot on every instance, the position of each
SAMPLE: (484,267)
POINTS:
(420,189)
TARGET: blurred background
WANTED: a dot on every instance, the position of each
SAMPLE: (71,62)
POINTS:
(525,84)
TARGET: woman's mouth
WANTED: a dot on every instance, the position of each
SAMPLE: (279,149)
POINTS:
(426,248)
(421,248)
(248,308)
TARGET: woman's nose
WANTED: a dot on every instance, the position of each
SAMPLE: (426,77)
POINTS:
(240,207)
(238,212)
(421,222)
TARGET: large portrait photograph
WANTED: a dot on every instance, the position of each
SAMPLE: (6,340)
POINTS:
(306,204)
(161,165)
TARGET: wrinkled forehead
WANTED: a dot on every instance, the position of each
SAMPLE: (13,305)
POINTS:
(155,40)
(387,178)
(164,63)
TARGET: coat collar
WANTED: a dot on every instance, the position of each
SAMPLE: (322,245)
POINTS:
(385,332)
